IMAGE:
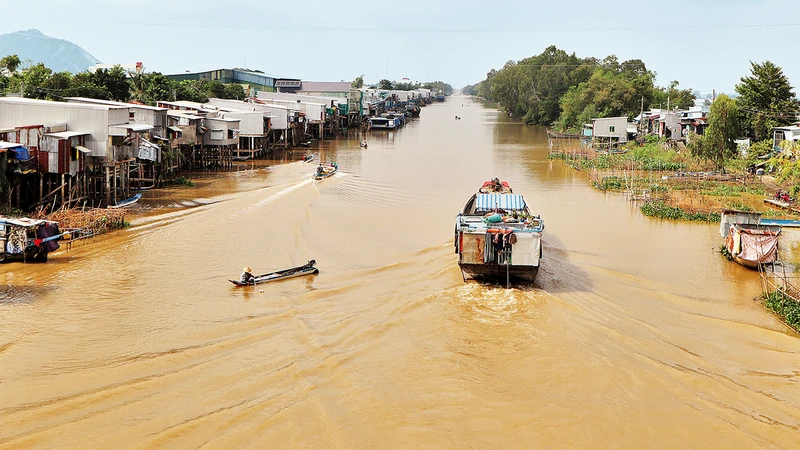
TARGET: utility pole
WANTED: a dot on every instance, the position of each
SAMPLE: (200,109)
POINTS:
(641,115)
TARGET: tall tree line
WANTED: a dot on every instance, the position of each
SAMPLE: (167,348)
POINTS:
(38,81)
(557,88)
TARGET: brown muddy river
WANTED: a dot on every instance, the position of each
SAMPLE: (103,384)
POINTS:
(637,333)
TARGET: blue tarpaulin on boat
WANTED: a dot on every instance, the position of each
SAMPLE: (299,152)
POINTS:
(508,202)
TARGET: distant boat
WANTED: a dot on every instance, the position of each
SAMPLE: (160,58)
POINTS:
(308,158)
(306,269)
(127,202)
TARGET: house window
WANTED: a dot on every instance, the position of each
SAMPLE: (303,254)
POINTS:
(611,129)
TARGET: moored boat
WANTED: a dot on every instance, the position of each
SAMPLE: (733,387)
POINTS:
(306,269)
(497,238)
(28,240)
(382,123)
(127,202)
(748,241)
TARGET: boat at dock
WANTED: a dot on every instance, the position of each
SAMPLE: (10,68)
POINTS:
(497,238)
(28,240)
(382,123)
(748,241)
(306,269)
(127,202)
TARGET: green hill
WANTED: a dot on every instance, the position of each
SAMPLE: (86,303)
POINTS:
(57,54)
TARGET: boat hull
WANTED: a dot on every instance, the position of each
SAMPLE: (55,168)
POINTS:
(325,175)
(499,272)
(277,276)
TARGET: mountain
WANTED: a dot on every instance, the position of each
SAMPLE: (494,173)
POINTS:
(56,54)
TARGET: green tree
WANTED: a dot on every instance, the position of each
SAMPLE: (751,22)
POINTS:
(214,89)
(30,82)
(766,100)
(10,62)
(57,85)
(384,84)
(190,90)
(672,96)
(531,88)
(159,87)
(234,91)
(83,85)
(358,83)
(717,144)
(614,89)
(406,86)
(138,86)
(114,80)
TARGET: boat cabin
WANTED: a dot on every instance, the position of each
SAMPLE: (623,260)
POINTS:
(29,240)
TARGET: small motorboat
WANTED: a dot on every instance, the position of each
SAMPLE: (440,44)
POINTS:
(308,158)
(363,144)
(127,202)
(306,269)
(325,171)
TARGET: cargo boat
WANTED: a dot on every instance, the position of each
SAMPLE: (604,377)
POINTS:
(497,238)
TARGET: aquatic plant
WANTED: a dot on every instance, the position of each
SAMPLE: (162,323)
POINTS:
(661,210)
(785,306)
(183,181)
(739,206)
(727,190)
(610,183)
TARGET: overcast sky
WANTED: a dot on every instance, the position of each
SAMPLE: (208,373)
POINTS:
(704,44)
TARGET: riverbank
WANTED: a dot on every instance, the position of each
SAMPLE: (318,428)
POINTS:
(675,185)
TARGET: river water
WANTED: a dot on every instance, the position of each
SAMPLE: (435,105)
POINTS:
(637,333)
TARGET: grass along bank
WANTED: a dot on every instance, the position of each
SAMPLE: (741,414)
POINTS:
(674,184)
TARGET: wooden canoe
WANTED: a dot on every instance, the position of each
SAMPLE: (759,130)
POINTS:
(126,202)
(307,269)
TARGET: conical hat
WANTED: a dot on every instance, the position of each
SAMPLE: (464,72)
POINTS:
(247,269)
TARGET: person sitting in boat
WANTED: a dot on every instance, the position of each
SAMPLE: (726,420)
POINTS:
(497,185)
(247,275)
(320,169)
(334,165)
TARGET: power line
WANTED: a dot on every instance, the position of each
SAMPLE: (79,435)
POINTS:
(273,27)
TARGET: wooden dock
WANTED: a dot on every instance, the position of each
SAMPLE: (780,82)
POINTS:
(781,205)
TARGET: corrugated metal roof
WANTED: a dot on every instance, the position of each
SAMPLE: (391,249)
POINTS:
(326,86)
(67,134)
(33,101)
(95,101)
(4,145)
(137,127)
